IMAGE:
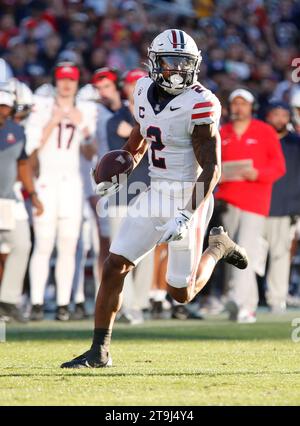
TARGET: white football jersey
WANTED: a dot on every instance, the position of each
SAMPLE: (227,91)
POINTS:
(168,128)
(61,152)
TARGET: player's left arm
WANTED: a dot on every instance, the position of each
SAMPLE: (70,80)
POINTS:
(206,143)
(136,144)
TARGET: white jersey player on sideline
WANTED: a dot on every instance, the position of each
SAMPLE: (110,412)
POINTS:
(106,82)
(5,72)
(60,128)
(89,236)
(177,121)
(46,89)
(103,91)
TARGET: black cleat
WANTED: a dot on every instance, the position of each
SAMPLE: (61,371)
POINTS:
(233,253)
(62,313)
(233,310)
(195,316)
(10,312)
(37,313)
(179,312)
(157,309)
(90,359)
(79,312)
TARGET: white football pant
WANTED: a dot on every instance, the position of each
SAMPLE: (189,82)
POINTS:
(58,226)
(138,235)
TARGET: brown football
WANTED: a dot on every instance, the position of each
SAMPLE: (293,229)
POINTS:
(114,163)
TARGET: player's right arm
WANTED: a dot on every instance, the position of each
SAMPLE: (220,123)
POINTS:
(26,178)
(136,145)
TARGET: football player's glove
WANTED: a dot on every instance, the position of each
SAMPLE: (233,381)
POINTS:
(176,228)
(105,188)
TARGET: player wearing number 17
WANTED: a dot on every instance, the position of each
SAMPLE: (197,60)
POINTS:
(60,128)
(177,122)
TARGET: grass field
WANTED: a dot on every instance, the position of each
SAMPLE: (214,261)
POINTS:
(210,362)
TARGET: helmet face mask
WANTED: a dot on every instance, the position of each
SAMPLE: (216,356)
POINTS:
(174,68)
(24,100)
(174,72)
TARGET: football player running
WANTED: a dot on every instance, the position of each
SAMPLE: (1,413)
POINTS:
(177,121)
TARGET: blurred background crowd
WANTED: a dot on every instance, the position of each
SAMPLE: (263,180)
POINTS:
(250,41)
(249,44)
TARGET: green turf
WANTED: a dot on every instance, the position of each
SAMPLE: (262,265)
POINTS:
(210,362)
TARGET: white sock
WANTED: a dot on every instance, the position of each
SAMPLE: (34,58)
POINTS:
(159,295)
(65,267)
(39,269)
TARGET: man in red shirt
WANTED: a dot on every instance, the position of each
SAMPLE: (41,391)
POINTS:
(252,160)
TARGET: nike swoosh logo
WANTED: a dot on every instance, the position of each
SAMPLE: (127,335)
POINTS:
(174,108)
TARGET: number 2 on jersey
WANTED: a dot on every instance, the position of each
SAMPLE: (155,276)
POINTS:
(60,129)
(154,134)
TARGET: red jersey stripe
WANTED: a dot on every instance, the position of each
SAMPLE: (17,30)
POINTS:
(202,115)
(203,105)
